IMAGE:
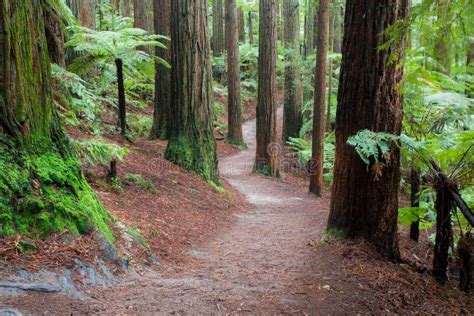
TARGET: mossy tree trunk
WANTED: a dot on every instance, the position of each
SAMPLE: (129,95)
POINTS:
(268,150)
(162,104)
(293,103)
(43,189)
(317,157)
(218,44)
(364,202)
(55,38)
(191,142)
(234,135)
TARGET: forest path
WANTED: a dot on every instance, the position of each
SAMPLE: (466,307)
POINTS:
(265,262)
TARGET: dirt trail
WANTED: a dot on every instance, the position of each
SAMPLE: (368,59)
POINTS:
(264,262)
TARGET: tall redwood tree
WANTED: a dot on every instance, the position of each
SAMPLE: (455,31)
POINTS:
(317,157)
(267,159)
(162,104)
(364,200)
(293,103)
(191,141)
(234,135)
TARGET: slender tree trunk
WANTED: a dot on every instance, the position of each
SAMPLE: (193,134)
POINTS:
(339,30)
(241,25)
(268,149)
(332,31)
(415,201)
(191,143)
(162,104)
(279,20)
(441,47)
(364,201)
(218,45)
(250,24)
(444,233)
(317,159)
(121,98)
(292,119)
(33,146)
(234,135)
(127,8)
(308,28)
(116,6)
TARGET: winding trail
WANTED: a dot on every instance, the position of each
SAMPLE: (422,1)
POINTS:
(264,262)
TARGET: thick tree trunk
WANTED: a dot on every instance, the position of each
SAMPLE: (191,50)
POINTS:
(250,25)
(444,233)
(234,135)
(309,29)
(293,103)
(121,98)
(162,104)
(317,159)
(33,146)
(218,45)
(143,19)
(116,5)
(364,200)
(415,201)
(241,25)
(191,142)
(268,150)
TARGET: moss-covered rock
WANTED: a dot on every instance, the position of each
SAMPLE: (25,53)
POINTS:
(44,192)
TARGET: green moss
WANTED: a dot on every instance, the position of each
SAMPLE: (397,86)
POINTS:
(45,193)
(199,156)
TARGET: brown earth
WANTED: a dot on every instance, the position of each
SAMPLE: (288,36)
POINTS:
(268,259)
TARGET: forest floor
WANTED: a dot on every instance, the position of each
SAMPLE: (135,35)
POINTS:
(265,255)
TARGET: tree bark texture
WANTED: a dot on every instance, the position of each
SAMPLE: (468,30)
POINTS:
(241,24)
(268,149)
(33,146)
(234,135)
(191,143)
(250,26)
(308,28)
(127,8)
(218,45)
(364,200)
(293,103)
(84,11)
(162,104)
(319,109)
(144,19)
(444,233)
